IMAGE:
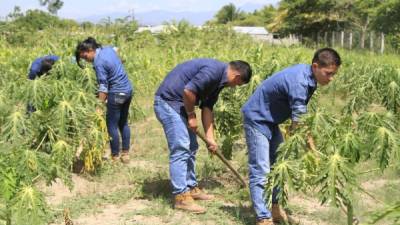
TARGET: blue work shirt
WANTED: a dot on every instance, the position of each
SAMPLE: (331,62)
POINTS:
(110,72)
(36,66)
(204,77)
(283,95)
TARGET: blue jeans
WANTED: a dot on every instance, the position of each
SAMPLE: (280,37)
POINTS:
(262,155)
(182,144)
(117,120)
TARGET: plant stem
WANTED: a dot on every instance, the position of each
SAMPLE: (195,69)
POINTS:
(349,214)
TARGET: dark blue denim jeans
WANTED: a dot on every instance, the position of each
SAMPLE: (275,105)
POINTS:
(117,120)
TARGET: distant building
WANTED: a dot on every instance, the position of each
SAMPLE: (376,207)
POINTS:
(260,33)
(153,29)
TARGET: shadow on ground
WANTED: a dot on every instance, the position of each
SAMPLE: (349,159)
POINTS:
(242,213)
(210,183)
(159,187)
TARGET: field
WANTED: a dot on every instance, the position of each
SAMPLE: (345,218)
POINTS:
(354,121)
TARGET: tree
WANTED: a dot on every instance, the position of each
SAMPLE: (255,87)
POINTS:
(126,27)
(306,17)
(52,5)
(267,13)
(38,20)
(388,17)
(260,17)
(228,13)
(16,13)
(361,15)
(249,20)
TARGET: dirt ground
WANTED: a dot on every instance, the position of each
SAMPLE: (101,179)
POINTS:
(139,192)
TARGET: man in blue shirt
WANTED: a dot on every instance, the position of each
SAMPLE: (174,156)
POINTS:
(114,88)
(283,95)
(195,82)
(39,67)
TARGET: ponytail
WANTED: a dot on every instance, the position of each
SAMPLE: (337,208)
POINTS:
(84,46)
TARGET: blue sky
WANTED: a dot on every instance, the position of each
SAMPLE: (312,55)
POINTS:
(84,8)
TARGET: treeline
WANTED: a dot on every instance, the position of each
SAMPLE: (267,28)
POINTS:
(19,27)
(358,23)
(311,19)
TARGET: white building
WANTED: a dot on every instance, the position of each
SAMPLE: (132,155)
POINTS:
(259,33)
(153,29)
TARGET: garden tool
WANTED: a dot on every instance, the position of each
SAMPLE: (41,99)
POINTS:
(226,162)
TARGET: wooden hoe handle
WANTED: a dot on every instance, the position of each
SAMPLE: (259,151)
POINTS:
(226,162)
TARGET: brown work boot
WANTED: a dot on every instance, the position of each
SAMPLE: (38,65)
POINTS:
(125,157)
(115,158)
(198,194)
(185,202)
(264,222)
(278,214)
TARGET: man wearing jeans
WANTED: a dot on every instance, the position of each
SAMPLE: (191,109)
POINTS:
(195,82)
(283,95)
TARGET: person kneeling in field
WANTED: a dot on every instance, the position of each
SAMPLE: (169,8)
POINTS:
(40,66)
(114,88)
(195,82)
(285,94)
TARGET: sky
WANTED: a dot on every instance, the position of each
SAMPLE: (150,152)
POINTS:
(76,9)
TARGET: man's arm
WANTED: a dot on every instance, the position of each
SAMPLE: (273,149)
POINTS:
(32,74)
(207,118)
(299,108)
(101,75)
(189,101)
(193,88)
(297,93)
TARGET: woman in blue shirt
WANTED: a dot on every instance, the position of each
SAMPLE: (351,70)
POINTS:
(114,88)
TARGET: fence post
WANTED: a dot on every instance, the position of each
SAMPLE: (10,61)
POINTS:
(342,39)
(382,42)
(333,38)
(351,40)
(362,39)
(371,40)
(292,39)
(326,38)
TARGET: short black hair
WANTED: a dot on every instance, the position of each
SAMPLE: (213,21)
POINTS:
(243,68)
(84,46)
(327,57)
(46,66)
